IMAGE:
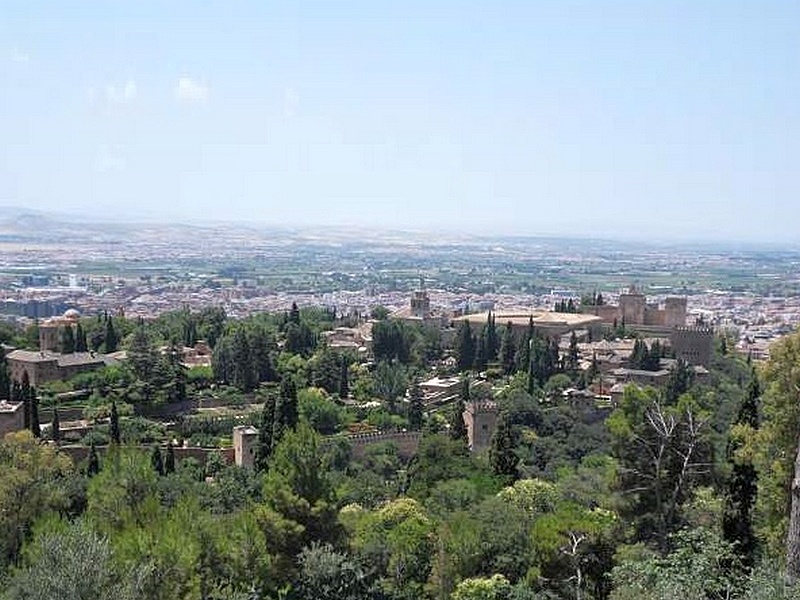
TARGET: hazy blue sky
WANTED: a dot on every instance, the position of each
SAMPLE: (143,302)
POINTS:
(676,119)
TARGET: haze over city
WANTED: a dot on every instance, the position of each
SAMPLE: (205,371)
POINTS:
(612,119)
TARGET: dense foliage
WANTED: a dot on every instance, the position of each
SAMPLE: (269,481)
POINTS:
(673,492)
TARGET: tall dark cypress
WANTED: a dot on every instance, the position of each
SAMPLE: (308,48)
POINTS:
(113,426)
(33,402)
(415,408)
(156,461)
(80,339)
(111,339)
(742,485)
(465,346)
(169,461)
(266,429)
(458,428)
(502,455)
(93,462)
(55,426)
(285,410)
(5,377)
(67,340)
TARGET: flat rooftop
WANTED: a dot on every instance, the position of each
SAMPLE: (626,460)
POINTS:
(540,319)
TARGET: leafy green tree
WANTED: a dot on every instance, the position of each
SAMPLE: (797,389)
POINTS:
(71,562)
(664,451)
(124,494)
(495,587)
(776,443)
(299,496)
(390,381)
(742,484)
(326,574)
(32,485)
(318,410)
(696,568)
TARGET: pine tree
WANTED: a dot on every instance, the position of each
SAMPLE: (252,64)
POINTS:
(742,485)
(156,461)
(80,339)
(169,462)
(502,455)
(415,408)
(55,426)
(266,429)
(113,426)
(93,462)
(111,338)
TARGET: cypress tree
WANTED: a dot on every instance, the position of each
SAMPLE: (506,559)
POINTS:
(80,339)
(415,408)
(33,402)
(508,348)
(55,426)
(465,346)
(5,377)
(93,462)
(156,461)
(266,429)
(67,340)
(571,365)
(742,485)
(169,462)
(111,338)
(502,455)
(113,425)
(458,428)
(344,380)
(285,410)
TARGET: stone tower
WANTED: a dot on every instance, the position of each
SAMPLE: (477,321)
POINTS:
(481,420)
(632,306)
(245,441)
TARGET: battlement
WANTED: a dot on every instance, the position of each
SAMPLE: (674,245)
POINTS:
(484,406)
(693,344)
(406,442)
